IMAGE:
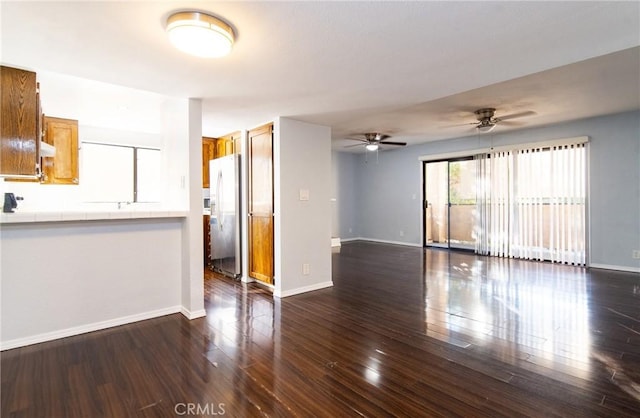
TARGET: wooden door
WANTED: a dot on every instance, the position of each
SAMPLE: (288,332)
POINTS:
(63,167)
(260,203)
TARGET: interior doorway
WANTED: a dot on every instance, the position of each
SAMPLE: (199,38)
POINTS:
(450,203)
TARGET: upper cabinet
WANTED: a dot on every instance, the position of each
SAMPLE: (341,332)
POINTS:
(231,143)
(20,129)
(213,148)
(63,167)
(208,151)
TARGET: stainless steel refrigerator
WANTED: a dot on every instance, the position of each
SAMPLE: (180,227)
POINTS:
(224,182)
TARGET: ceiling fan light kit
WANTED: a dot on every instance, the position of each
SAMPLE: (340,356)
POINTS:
(371,147)
(200,34)
(485,128)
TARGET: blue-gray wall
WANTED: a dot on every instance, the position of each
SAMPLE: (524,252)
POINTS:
(345,190)
(383,201)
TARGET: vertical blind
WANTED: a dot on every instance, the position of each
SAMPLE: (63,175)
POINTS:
(531,203)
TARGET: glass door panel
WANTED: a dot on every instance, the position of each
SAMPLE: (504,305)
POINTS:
(436,208)
(462,204)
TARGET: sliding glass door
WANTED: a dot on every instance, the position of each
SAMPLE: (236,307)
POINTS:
(450,200)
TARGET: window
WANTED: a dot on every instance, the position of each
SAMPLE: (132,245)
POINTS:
(531,203)
(147,169)
(115,173)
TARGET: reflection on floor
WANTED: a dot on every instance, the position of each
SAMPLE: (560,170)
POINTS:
(404,332)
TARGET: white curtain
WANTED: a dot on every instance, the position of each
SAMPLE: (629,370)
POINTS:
(531,203)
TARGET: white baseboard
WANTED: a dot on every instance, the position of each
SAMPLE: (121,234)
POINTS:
(193,315)
(619,268)
(83,329)
(303,289)
(247,279)
(335,242)
(384,241)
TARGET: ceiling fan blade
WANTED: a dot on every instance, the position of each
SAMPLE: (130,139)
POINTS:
(516,115)
(383,137)
(358,139)
(511,123)
(393,143)
(458,124)
(354,145)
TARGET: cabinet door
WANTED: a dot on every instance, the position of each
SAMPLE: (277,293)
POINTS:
(206,234)
(220,148)
(19,136)
(63,167)
(228,147)
(208,151)
(260,204)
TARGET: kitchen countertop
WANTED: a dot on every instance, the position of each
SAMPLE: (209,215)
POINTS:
(63,216)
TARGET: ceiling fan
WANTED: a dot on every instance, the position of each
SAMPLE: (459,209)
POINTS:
(372,141)
(487,121)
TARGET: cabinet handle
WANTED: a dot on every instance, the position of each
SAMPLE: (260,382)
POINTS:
(75,180)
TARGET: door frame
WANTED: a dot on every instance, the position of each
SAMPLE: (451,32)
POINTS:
(424,202)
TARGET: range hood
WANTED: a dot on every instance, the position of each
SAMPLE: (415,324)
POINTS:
(47,150)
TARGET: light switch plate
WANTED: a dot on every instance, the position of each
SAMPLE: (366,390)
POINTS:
(304,194)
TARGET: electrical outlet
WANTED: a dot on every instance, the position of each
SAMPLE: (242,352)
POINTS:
(305,269)
(636,254)
(402,233)
(350,230)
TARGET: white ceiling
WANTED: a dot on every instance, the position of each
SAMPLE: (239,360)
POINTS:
(411,69)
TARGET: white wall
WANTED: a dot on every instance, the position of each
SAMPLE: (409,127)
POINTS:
(302,228)
(98,104)
(61,279)
(192,233)
(385,191)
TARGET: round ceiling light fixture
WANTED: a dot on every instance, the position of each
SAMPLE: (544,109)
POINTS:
(200,34)
(371,147)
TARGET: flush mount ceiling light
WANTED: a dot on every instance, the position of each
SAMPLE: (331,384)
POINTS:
(200,34)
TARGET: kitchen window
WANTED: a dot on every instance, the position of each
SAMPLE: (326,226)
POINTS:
(117,173)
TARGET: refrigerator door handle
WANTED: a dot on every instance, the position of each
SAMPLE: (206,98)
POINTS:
(219,200)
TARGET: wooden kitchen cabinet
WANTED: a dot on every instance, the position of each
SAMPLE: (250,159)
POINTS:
(207,239)
(20,126)
(228,144)
(232,144)
(63,167)
(213,148)
(208,153)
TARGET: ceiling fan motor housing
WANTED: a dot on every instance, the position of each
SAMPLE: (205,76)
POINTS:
(485,114)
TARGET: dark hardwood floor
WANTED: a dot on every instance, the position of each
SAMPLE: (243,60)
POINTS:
(404,332)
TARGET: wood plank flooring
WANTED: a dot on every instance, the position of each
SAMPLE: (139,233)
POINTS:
(404,332)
